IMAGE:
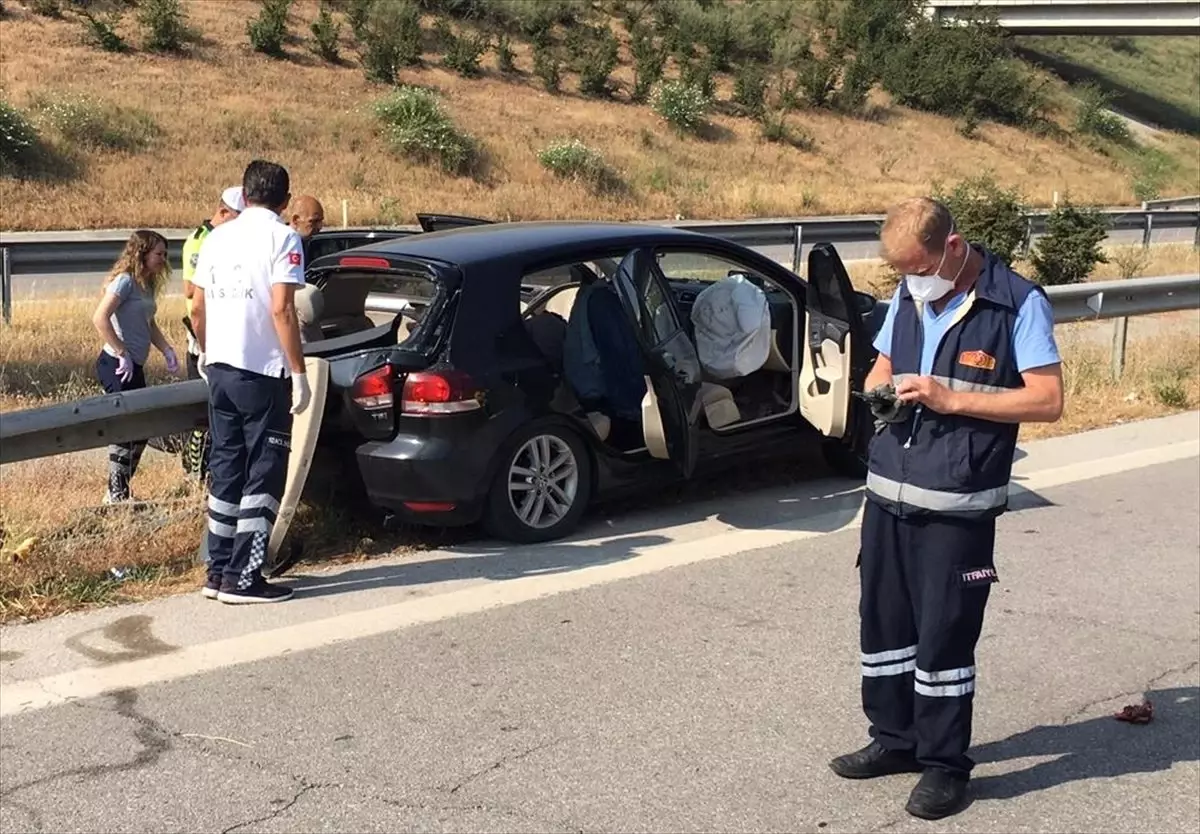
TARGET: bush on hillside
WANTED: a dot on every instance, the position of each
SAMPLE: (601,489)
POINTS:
(46,8)
(574,160)
(165,25)
(19,141)
(1093,118)
(547,67)
(949,71)
(987,214)
(358,13)
(392,39)
(750,90)
(268,30)
(101,30)
(1070,249)
(326,31)
(505,57)
(464,52)
(682,105)
(596,63)
(649,60)
(416,126)
(90,124)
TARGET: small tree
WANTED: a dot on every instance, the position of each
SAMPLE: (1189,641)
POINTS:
(546,66)
(750,89)
(165,25)
(597,62)
(392,39)
(268,30)
(326,32)
(987,214)
(1070,249)
(649,61)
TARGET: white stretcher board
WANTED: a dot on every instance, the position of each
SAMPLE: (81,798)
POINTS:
(306,426)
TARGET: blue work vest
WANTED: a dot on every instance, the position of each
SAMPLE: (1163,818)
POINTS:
(947,465)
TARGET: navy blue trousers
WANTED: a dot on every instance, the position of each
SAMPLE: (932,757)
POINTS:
(251,427)
(924,586)
(123,458)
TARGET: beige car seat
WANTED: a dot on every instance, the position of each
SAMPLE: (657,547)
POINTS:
(310,305)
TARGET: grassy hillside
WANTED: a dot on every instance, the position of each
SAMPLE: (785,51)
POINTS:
(141,138)
(1152,78)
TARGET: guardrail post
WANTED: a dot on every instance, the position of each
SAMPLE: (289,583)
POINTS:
(798,247)
(1120,333)
(6,285)
(1147,230)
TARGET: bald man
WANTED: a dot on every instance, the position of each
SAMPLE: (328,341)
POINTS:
(306,215)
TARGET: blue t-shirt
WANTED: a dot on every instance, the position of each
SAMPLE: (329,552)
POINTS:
(1033,334)
(132,317)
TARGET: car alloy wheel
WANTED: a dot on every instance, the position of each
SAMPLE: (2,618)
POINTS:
(543,481)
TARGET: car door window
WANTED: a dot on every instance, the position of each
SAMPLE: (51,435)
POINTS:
(655,315)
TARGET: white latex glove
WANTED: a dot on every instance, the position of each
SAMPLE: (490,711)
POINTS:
(172,360)
(124,368)
(301,395)
(202,366)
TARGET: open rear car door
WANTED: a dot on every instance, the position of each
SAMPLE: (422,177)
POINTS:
(671,407)
(833,330)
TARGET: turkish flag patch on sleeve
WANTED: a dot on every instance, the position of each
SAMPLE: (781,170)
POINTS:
(294,258)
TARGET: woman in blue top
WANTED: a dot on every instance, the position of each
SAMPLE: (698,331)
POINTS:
(125,320)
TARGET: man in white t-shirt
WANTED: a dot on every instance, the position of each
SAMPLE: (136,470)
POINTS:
(245,322)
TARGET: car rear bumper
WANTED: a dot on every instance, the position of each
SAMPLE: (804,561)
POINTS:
(427,480)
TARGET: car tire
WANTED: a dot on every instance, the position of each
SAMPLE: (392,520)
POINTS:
(525,503)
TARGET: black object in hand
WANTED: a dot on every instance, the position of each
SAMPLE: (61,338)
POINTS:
(885,405)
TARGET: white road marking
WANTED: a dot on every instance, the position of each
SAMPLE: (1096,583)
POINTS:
(50,691)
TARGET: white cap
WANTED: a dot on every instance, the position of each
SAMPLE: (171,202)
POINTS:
(232,197)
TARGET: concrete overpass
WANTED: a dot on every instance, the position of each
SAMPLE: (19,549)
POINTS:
(1079,17)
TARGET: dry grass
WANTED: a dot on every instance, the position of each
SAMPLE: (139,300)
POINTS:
(225,104)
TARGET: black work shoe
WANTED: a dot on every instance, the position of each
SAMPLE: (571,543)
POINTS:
(259,591)
(212,587)
(874,760)
(940,793)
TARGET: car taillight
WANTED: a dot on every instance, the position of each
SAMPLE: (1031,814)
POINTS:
(373,390)
(441,392)
(364,262)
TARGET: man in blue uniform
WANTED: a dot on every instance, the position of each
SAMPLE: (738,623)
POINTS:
(969,346)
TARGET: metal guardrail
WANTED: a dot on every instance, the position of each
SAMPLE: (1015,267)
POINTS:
(176,407)
(95,251)
(1192,202)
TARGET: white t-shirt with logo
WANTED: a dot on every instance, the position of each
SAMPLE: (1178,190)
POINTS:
(240,261)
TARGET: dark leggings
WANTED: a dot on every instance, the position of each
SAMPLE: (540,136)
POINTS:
(123,458)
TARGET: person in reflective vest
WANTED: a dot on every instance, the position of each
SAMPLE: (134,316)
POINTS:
(969,346)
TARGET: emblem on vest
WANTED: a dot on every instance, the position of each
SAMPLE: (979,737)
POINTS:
(977,359)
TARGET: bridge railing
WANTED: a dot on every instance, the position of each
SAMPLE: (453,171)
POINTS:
(162,410)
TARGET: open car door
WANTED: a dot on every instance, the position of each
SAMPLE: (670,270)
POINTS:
(441,222)
(832,328)
(671,407)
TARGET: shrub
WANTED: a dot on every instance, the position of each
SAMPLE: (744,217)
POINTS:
(1093,118)
(750,89)
(948,71)
(649,61)
(101,31)
(326,32)
(851,97)
(165,25)
(358,13)
(597,62)
(91,124)
(19,141)
(574,160)
(268,30)
(392,37)
(46,8)
(505,57)
(1070,249)
(1150,172)
(463,53)
(547,67)
(682,105)
(416,127)
(987,214)
(700,73)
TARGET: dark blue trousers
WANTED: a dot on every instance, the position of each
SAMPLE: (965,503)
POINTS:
(251,428)
(123,458)
(924,586)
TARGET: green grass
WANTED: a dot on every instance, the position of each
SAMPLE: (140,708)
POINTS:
(1151,78)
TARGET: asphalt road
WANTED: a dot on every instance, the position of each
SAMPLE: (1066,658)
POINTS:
(689,669)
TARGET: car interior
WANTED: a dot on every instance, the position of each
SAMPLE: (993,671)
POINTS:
(758,386)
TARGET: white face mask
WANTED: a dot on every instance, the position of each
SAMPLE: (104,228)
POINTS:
(926,288)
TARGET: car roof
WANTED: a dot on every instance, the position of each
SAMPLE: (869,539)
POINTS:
(523,241)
